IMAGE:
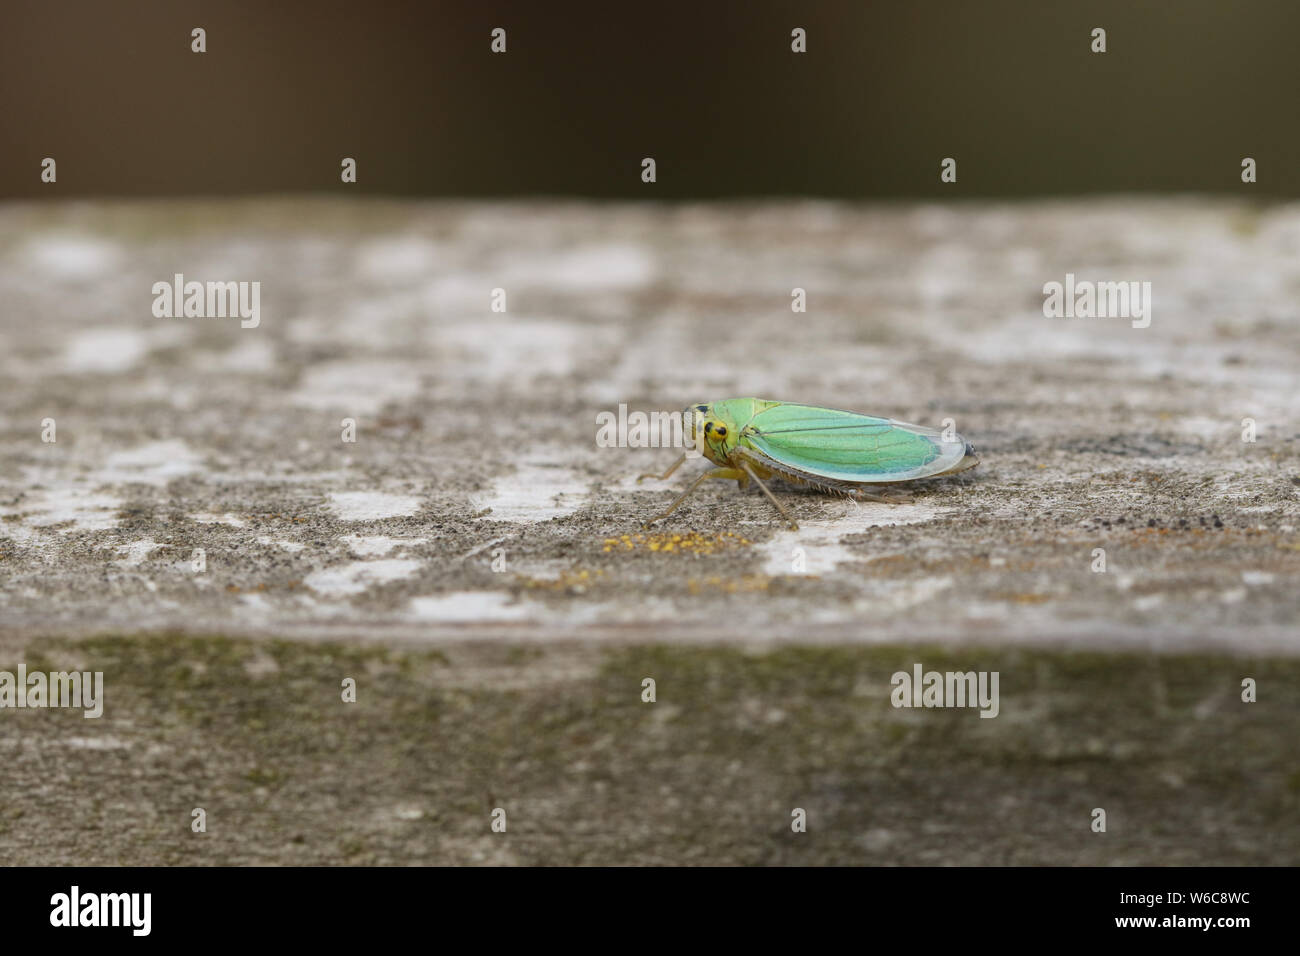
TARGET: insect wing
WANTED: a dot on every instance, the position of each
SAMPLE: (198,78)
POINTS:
(846,446)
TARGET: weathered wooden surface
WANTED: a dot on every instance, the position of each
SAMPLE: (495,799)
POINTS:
(476,439)
(177,434)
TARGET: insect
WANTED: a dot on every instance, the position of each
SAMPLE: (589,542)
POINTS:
(829,449)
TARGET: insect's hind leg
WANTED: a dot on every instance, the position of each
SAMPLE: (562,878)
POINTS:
(731,473)
(886,495)
(894,496)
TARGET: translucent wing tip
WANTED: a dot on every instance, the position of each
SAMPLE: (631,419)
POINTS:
(969,460)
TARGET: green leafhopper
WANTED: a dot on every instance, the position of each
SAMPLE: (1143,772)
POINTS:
(832,450)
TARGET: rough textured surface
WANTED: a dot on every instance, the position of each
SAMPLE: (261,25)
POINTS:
(176,434)
(476,442)
(559,738)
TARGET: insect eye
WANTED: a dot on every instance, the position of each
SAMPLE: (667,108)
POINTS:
(708,427)
(721,431)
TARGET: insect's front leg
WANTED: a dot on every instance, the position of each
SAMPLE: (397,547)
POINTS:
(675,465)
(732,473)
(749,471)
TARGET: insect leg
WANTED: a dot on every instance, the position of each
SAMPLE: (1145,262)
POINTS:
(677,464)
(731,473)
(895,496)
(770,497)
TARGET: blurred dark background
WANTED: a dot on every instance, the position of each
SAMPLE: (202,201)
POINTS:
(712,91)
